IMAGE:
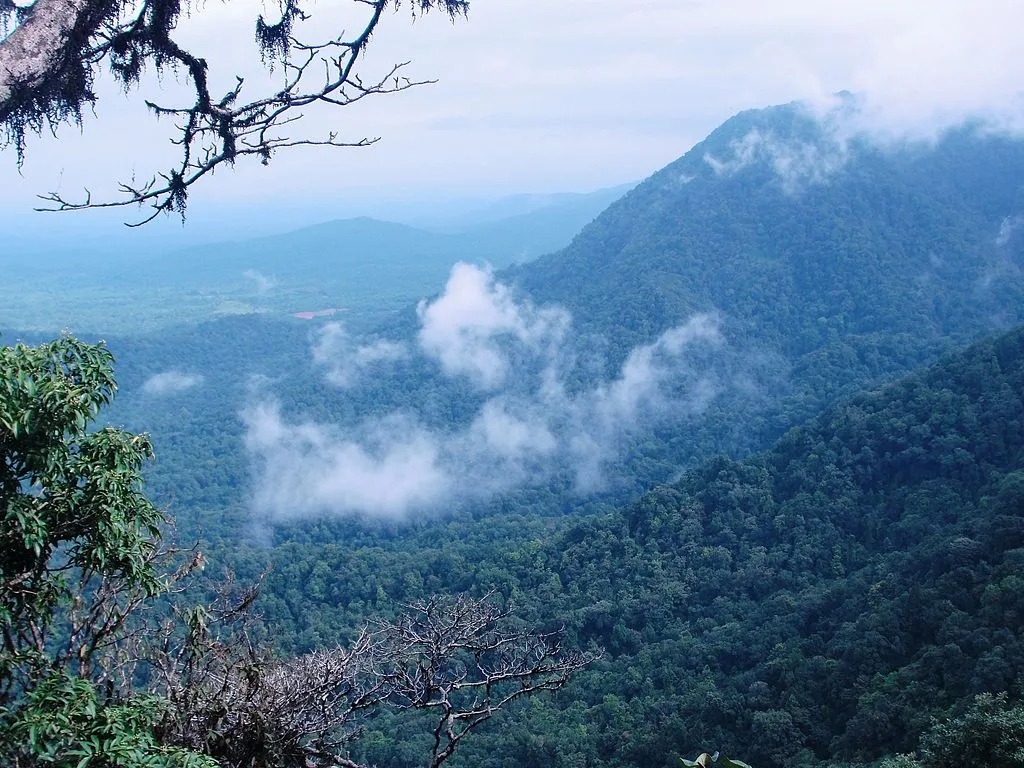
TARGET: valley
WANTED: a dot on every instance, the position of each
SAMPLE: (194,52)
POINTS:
(752,431)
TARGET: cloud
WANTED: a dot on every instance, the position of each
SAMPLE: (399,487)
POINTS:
(308,469)
(170,382)
(523,432)
(957,60)
(1008,228)
(795,163)
(647,388)
(346,361)
(464,327)
(264,284)
(744,152)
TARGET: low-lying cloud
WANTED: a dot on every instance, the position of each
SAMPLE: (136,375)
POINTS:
(520,435)
(263,283)
(797,164)
(463,328)
(346,361)
(170,382)
(387,468)
(837,125)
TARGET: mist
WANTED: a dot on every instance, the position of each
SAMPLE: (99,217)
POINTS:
(170,382)
(844,122)
(531,425)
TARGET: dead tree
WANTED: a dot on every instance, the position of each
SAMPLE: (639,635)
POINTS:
(457,659)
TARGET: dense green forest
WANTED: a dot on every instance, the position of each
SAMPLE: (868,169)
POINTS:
(803,548)
(822,601)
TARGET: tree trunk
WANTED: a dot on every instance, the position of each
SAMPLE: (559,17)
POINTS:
(40,48)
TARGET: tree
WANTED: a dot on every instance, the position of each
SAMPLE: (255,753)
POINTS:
(455,660)
(53,49)
(79,557)
(88,676)
(989,733)
(78,539)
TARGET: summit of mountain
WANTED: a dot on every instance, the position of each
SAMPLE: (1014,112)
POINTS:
(832,257)
(800,228)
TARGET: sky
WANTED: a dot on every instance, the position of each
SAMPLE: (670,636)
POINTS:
(532,96)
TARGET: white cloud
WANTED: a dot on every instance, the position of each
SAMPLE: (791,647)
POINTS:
(263,283)
(346,361)
(796,163)
(170,382)
(1008,228)
(307,469)
(464,327)
(957,59)
(744,152)
(608,415)
(523,432)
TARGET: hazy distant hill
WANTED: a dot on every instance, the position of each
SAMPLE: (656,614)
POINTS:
(585,205)
(367,267)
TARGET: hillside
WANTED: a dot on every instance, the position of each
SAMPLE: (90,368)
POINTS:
(820,601)
(840,259)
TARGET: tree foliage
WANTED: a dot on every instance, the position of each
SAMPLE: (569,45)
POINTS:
(79,556)
(76,524)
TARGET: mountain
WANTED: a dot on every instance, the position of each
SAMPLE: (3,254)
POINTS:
(818,602)
(816,244)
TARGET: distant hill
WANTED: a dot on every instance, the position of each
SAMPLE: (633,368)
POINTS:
(584,204)
(368,268)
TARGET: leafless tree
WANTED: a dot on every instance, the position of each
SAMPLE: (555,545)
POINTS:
(458,659)
(51,51)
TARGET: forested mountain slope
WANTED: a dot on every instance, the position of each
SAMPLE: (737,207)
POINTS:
(846,257)
(784,219)
(820,601)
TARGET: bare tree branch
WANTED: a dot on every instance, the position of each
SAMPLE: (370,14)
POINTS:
(456,657)
(47,65)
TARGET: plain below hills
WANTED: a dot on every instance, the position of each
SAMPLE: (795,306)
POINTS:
(366,267)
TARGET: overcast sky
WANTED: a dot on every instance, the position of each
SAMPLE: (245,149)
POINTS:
(553,95)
